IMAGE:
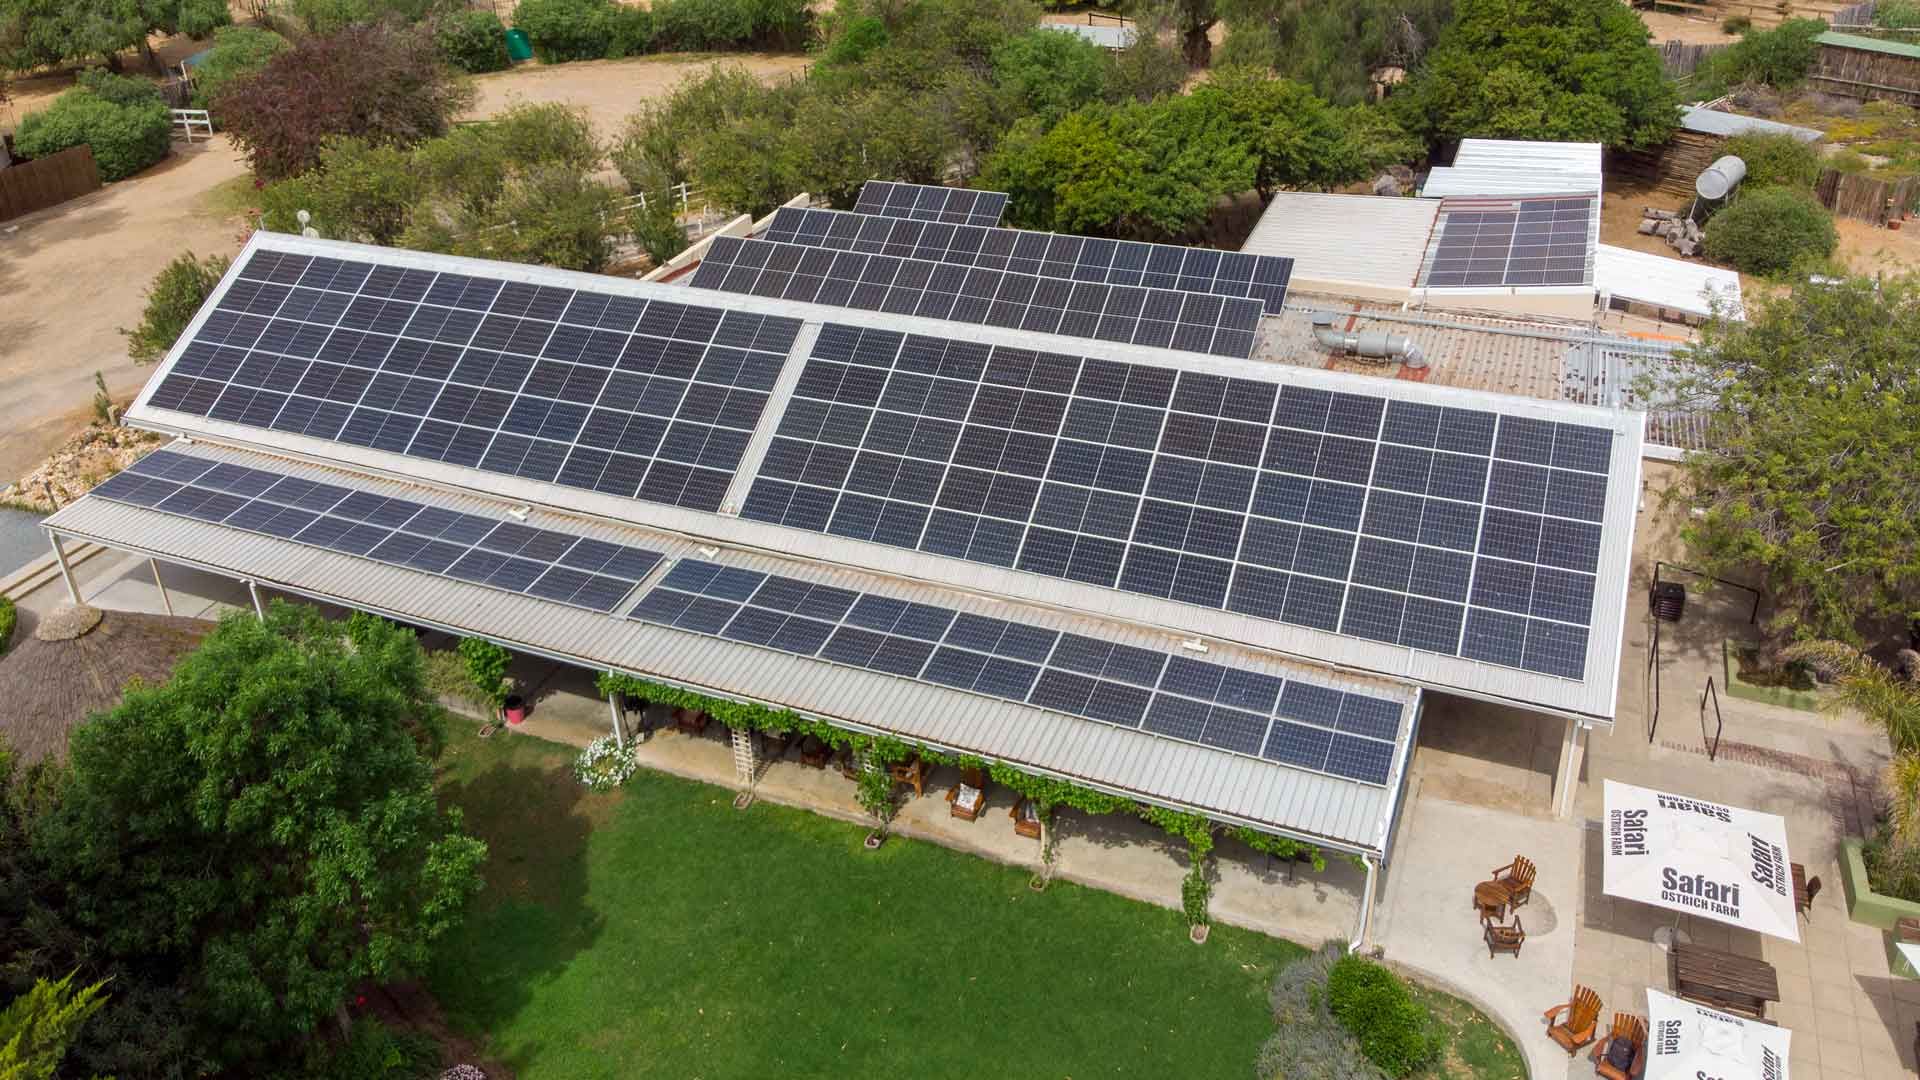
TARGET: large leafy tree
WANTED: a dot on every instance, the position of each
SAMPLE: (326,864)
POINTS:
(34,32)
(265,826)
(1333,46)
(1299,140)
(384,83)
(1811,482)
(1559,70)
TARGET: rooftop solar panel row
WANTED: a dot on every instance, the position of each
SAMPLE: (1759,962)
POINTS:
(641,399)
(1341,733)
(1190,322)
(927,202)
(551,565)
(1052,255)
(1489,242)
(1455,531)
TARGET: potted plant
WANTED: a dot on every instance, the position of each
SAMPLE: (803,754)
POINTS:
(486,665)
(1193,900)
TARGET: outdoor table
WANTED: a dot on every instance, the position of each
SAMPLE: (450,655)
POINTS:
(1722,980)
(1800,901)
(1490,899)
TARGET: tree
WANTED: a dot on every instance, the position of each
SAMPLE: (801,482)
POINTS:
(1560,70)
(298,766)
(1775,159)
(548,214)
(35,32)
(237,51)
(37,1027)
(1299,140)
(383,83)
(122,120)
(1772,230)
(1333,46)
(174,298)
(1810,485)
(1047,73)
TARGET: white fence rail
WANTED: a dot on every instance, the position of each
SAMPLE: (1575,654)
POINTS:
(188,121)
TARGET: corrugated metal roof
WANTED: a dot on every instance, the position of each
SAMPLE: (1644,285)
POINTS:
(1592,697)
(1867,44)
(1222,784)
(1107,37)
(1513,167)
(1663,282)
(1714,122)
(1340,243)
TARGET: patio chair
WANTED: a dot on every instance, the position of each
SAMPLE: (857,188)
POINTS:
(1026,820)
(1505,938)
(814,752)
(773,745)
(1626,1041)
(1517,876)
(967,798)
(690,721)
(1576,1020)
(912,772)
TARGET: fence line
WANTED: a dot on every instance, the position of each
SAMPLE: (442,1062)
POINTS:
(35,185)
(1862,197)
(188,121)
(1856,17)
(1681,59)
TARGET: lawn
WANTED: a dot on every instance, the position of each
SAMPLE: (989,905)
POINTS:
(660,932)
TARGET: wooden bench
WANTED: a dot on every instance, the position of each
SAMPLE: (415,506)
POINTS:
(1722,980)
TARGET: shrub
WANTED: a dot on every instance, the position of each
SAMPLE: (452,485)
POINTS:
(356,191)
(1736,24)
(371,1050)
(237,51)
(331,16)
(1778,57)
(1896,14)
(1770,230)
(1394,1031)
(852,45)
(1309,1043)
(123,120)
(605,764)
(656,228)
(1049,73)
(1775,160)
(473,41)
(175,296)
(486,665)
(548,214)
(384,83)
(8,617)
(563,30)
(734,24)
(630,31)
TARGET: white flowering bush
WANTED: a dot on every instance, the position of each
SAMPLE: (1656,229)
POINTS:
(604,764)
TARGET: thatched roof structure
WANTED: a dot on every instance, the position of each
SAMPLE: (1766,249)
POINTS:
(48,687)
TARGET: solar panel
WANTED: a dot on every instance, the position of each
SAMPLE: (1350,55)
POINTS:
(1497,242)
(568,569)
(927,202)
(1176,696)
(1192,322)
(1072,258)
(1456,531)
(641,399)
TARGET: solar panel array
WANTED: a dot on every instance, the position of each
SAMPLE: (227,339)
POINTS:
(1246,712)
(576,570)
(1072,258)
(1514,242)
(640,399)
(1455,531)
(927,202)
(1194,322)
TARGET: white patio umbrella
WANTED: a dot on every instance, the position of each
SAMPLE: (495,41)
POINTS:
(1699,858)
(1691,1041)
(1911,952)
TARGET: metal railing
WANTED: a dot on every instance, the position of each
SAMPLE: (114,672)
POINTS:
(1719,722)
(188,121)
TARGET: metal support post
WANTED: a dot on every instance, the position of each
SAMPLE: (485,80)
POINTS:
(165,600)
(619,727)
(259,609)
(1364,924)
(60,556)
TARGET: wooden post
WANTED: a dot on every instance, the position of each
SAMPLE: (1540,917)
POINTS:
(66,571)
(165,601)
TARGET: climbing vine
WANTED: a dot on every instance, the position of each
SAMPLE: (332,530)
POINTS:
(1280,847)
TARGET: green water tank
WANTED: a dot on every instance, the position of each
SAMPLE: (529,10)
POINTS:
(518,47)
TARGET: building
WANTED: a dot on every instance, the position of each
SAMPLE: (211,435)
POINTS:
(1128,555)
(1865,68)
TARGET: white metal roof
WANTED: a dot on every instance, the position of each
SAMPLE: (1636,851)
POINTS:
(1366,245)
(1663,282)
(1228,786)
(1707,121)
(1107,37)
(1514,167)
(1592,697)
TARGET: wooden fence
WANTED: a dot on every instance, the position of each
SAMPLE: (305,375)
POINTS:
(1672,166)
(1681,58)
(1866,75)
(43,182)
(1856,196)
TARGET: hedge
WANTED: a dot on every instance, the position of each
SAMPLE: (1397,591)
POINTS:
(1395,1032)
(474,41)
(237,51)
(1771,230)
(8,617)
(124,120)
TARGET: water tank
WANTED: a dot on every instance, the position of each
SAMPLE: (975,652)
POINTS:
(1721,177)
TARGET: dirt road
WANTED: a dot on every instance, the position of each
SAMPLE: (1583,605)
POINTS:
(73,274)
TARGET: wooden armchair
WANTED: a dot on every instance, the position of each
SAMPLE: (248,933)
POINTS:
(1630,1030)
(967,798)
(1517,876)
(1504,938)
(912,772)
(1026,819)
(773,744)
(1571,1025)
(690,721)
(814,752)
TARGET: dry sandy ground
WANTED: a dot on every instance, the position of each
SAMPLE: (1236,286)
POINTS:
(71,275)
(1692,29)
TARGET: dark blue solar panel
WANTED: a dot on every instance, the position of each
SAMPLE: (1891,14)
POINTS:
(1182,697)
(523,380)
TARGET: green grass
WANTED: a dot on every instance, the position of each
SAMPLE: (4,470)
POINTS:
(659,932)
(1476,1047)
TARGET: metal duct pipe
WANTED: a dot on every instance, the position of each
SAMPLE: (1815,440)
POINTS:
(1377,344)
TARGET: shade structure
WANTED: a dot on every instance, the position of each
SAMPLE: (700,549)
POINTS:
(1911,953)
(1693,1041)
(1701,858)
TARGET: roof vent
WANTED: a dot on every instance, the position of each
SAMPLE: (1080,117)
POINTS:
(519,513)
(1194,645)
